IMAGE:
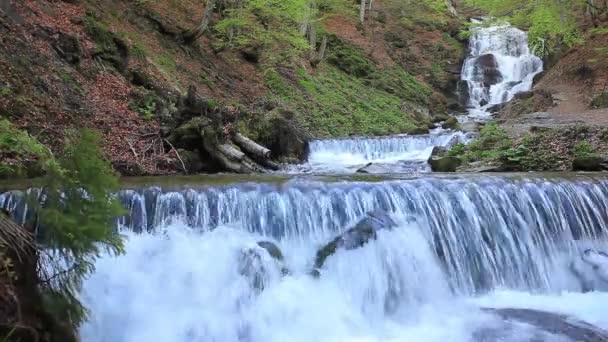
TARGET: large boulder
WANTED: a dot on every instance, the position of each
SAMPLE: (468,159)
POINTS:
(441,161)
(590,163)
(546,326)
(363,232)
(486,70)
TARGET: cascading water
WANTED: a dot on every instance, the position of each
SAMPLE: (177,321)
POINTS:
(500,65)
(461,243)
(393,154)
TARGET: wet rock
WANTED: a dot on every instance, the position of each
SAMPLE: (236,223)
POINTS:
(462,89)
(272,249)
(590,163)
(480,167)
(439,117)
(418,131)
(483,102)
(545,323)
(486,69)
(469,127)
(68,47)
(450,123)
(538,77)
(523,95)
(364,231)
(440,161)
(251,266)
(497,107)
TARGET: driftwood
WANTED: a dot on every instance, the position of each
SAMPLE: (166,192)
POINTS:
(251,147)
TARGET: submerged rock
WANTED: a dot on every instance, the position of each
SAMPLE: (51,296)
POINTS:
(257,267)
(486,70)
(548,326)
(272,249)
(364,231)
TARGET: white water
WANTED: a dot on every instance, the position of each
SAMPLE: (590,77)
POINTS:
(461,244)
(516,64)
(395,154)
(185,287)
(516,67)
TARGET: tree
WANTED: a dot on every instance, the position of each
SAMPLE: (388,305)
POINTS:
(191,36)
(75,222)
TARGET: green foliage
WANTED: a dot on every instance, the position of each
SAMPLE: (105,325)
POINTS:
(166,62)
(551,24)
(272,25)
(333,103)
(583,149)
(18,147)
(492,143)
(76,221)
(138,51)
(348,59)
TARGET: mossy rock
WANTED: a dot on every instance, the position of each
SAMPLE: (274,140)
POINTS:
(590,163)
(600,101)
(451,123)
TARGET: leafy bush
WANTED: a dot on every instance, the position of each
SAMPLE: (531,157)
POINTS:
(583,149)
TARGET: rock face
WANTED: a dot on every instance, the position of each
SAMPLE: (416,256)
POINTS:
(440,161)
(590,163)
(356,237)
(546,325)
(486,69)
(68,47)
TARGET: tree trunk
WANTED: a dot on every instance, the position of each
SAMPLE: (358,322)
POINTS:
(251,147)
(362,11)
(192,35)
(312,36)
(323,47)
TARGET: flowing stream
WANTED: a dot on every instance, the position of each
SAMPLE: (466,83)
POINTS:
(499,66)
(462,243)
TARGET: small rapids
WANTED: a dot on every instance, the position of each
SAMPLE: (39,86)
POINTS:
(393,154)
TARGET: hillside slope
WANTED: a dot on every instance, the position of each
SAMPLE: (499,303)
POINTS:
(121,66)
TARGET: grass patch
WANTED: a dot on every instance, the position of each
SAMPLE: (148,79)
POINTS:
(21,154)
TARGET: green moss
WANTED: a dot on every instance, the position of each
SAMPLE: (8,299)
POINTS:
(166,62)
(21,154)
(492,143)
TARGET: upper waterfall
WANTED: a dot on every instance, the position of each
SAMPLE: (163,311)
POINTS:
(500,64)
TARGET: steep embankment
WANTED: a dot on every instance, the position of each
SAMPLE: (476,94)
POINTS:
(122,67)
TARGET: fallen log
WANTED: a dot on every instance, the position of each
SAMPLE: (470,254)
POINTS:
(231,152)
(251,147)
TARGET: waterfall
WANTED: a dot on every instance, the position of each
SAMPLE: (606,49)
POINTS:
(394,154)
(499,65)
(461,243)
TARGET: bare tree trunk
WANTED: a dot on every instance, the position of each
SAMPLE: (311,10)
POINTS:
(370,4)
(312,36)
(451,8)
(323,47)
(362,11)
(192,35)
